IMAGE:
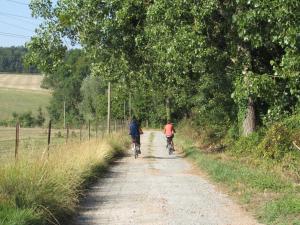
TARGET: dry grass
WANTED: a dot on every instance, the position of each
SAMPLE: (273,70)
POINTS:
(45,190)
(34,140)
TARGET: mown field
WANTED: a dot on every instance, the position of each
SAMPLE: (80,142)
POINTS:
(20,94)
(21,81)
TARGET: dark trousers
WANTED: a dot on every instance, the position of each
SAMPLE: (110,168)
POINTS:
(136,139)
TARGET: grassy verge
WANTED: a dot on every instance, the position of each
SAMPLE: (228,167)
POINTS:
(45,190)
(273,198)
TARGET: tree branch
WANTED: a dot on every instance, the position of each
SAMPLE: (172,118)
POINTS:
(294,143)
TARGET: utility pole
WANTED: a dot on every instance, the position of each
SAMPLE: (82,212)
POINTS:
(168,110)
(130,106)
(108,108)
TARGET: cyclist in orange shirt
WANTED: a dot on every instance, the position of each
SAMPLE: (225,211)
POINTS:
(169,131)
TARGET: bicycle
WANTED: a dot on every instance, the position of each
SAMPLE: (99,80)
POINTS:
(170,146)
(135,149)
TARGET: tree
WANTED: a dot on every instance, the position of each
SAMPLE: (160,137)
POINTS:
(94,99)
(40,119)
(213,60)
(269,32)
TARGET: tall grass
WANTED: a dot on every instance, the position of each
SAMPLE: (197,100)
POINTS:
(46,190)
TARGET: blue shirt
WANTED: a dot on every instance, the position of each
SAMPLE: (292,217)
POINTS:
(134,129)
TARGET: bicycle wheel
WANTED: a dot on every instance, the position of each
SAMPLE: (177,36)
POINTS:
(169,147)
(136,151)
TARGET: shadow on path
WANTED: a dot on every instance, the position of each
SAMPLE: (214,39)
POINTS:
(160,157)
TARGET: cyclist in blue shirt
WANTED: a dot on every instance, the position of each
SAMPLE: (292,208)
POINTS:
(135,131)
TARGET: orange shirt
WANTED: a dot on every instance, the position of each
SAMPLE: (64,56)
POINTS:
(169,129)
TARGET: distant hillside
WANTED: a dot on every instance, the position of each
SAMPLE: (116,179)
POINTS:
(21,81)
(11,60)
(22,93)
(21,101)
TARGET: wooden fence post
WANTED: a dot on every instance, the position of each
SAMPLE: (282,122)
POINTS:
(96,130)
(89,130)
(80,134)
(17,141)
(49,137)
(67,137)
(103,130)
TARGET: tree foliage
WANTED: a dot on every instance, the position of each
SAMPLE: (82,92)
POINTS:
(208,58)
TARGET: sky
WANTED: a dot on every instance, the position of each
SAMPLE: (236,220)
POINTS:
(16,23)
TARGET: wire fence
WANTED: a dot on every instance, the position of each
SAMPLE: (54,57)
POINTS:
(17,141)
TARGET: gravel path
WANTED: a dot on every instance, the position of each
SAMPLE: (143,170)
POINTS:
(157,189)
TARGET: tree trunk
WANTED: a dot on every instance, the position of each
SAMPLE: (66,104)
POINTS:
(249,123)
(130,106)
(108,107)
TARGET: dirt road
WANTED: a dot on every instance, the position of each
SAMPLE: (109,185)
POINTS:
(157,189)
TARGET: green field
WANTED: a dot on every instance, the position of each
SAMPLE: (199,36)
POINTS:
(20,101)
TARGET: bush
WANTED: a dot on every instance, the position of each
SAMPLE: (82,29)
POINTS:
(58,134)
(26,119)
(40,119)
(276,142)
(73,134)
(233,132)
(293,122)
(247,145)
